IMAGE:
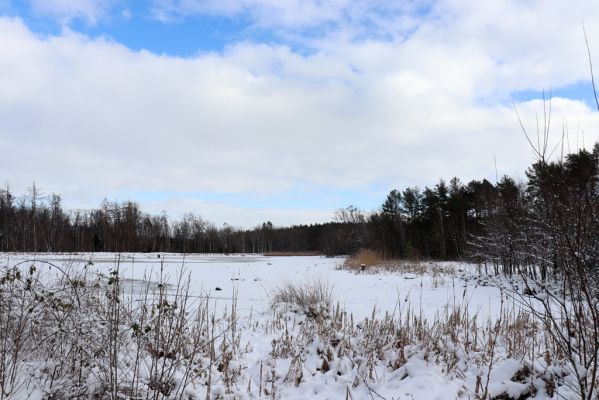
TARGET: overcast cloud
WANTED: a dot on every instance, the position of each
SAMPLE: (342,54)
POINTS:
(428,97)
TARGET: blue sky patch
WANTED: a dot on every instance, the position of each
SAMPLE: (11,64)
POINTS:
(580,91)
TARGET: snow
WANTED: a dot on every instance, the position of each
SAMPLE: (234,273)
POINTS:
(255,276)
(251,280)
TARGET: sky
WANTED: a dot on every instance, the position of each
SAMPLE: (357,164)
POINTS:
(244,111)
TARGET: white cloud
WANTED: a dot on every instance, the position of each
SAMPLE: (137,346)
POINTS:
(298,14)
(67,10)
(248,217)
(90,118)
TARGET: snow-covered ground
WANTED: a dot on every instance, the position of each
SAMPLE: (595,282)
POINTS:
(280,352)
(254,277)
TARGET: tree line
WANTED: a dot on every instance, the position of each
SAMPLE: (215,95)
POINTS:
(34,222)
(451,220)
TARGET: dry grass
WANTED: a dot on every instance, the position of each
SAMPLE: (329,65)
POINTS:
(451,339)
(366,258)
(314,298)
(417,267)
(370,261)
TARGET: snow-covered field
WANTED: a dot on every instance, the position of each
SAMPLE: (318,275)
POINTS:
(254,277)
(345,353)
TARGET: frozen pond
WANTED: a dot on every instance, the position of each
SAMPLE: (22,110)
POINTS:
(253,277)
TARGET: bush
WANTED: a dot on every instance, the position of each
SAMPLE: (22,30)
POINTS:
(88,335)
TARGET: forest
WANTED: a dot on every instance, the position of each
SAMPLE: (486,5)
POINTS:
(451,220)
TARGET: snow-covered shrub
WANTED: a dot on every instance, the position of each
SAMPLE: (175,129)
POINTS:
(314,298)
(75,334)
